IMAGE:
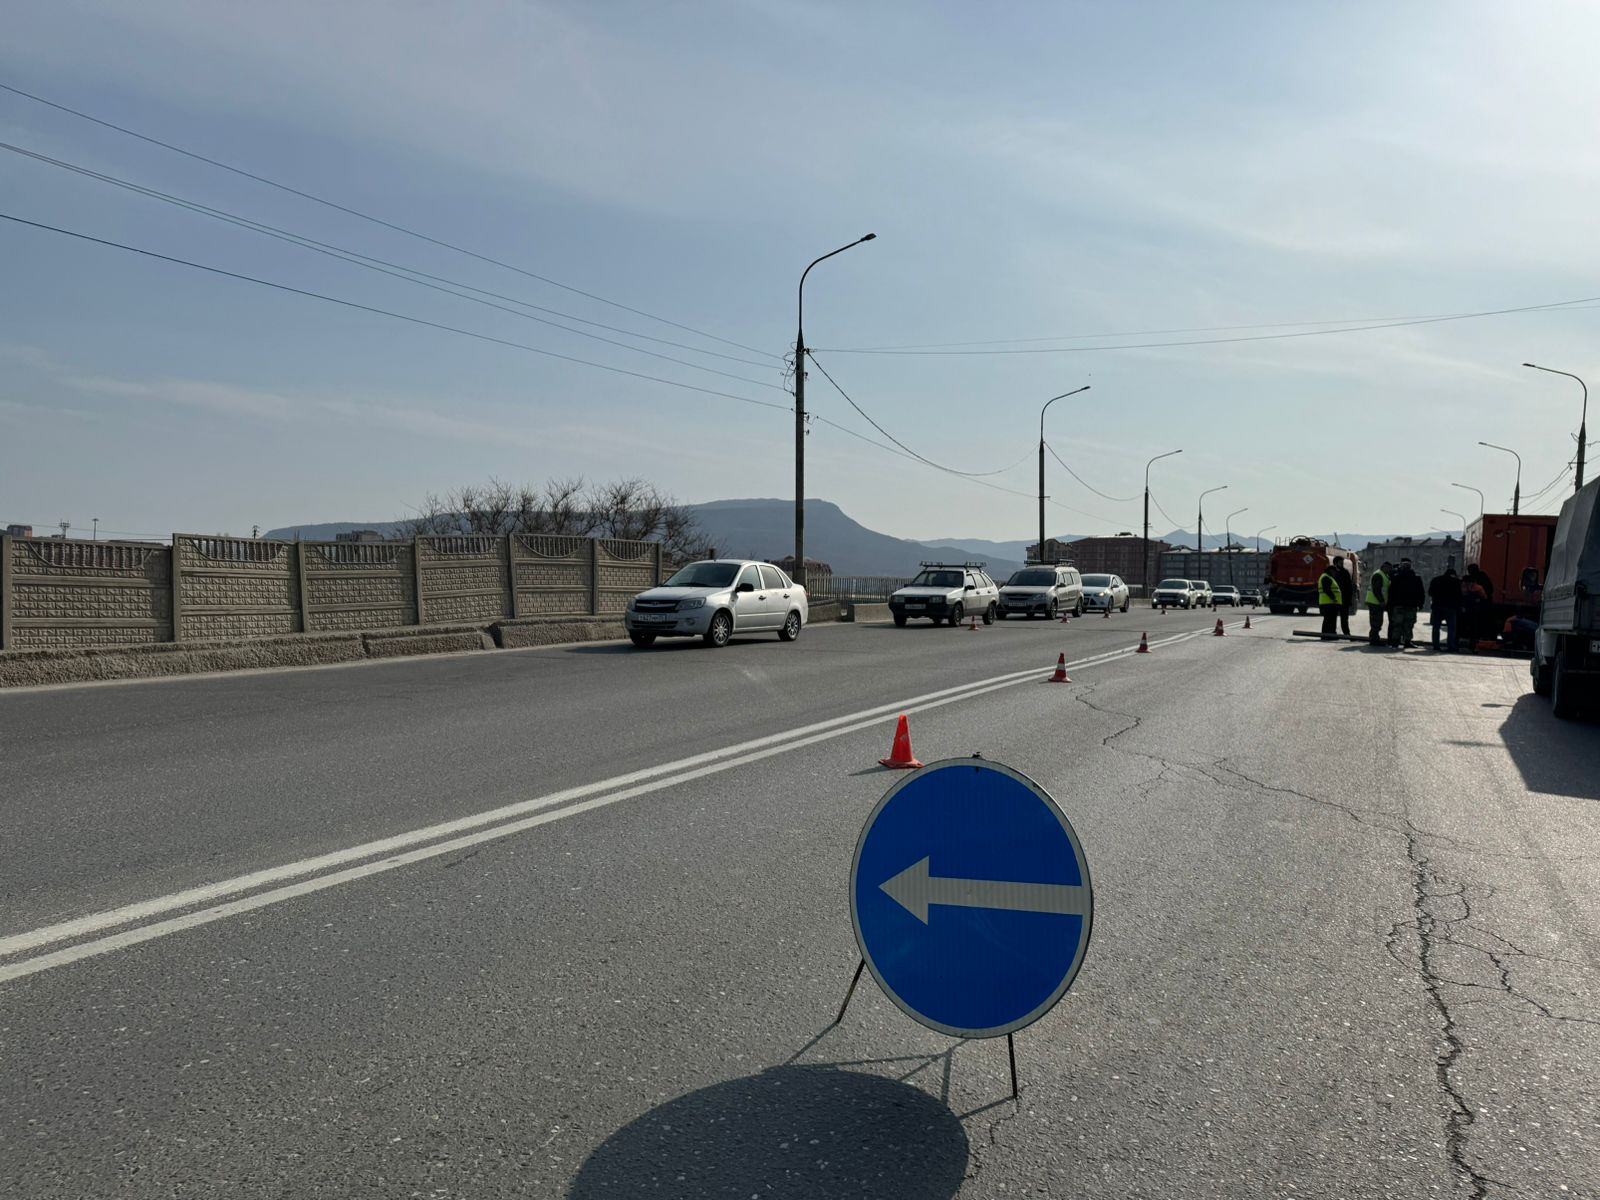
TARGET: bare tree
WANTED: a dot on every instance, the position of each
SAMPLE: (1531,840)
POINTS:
(627,509)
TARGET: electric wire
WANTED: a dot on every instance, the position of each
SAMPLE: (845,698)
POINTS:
(354,212)
(383,312)
(397,271)
(865,416)
(1260,337)
(1080,479)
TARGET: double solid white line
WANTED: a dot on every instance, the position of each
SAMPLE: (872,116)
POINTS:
(243,893)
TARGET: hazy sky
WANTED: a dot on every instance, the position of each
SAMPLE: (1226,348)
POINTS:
(1032,171)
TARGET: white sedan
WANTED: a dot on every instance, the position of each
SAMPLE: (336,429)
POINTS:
(716,598)
(1105,592)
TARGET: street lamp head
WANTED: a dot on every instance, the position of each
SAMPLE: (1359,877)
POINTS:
(869,237)
(1533,365)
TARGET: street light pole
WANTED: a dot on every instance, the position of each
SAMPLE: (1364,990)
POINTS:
(1583,421)
(799,571)
(1516,494)
(1467,487)
(1462,517)
(1227,537)
(1200,524)
(1047,404)
(1144,560)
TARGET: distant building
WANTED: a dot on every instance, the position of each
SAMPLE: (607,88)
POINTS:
(1242,568)
(1055,551)
(1429,556)
(359,535)
(814,570)
(19,531)
(1120,555)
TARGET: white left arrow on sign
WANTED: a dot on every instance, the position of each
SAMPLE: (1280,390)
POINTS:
(914,889)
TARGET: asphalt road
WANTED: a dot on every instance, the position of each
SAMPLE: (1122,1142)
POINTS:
(258,938)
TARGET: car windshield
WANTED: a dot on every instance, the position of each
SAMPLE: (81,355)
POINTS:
(705,574)
(943,579)
(1031,579)
(1176,585)
(1097,581)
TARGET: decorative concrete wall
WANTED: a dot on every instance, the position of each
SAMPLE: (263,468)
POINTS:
(61,593)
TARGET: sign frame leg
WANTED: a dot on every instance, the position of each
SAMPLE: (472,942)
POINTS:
(1011,1053)
(851,991)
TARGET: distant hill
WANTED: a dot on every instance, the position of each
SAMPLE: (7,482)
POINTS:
(765,529)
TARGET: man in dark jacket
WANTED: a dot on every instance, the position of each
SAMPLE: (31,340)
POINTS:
(1445,594)
(1406,597)
(1347,590)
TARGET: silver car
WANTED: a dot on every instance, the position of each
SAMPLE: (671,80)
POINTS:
(717,598)
(1105,592)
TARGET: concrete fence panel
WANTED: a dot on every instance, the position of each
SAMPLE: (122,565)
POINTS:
(359,585)
(56,593)
(229,587)
(464,579)
(553,574)
(622,570)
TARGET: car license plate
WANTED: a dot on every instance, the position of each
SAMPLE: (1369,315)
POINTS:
(1594,646)
(655,620)
(916,606)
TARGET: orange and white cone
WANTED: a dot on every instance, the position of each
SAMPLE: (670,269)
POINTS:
(900,755)
(1144,644)
(1218,631)
(1247,620)
(1061,670)
(973,628)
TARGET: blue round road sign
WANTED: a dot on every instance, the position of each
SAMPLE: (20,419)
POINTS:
(971,898)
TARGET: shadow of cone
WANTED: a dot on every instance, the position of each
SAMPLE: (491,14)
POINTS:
(900,755)
(1061,670)
(1144,644)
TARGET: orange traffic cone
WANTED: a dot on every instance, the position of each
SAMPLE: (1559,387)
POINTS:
(1061,670)
(973,628)
(1247,620)
(1108,612)
(900,755)
(1144,644)
(1218,631)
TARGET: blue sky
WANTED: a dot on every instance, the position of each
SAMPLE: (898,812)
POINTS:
(1031,170)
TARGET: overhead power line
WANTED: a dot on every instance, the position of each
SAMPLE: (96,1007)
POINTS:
(1080,479)
(397,271)
(383,312)
(897,441)
(1259,337)
(354,212)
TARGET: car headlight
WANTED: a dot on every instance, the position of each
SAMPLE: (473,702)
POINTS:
(693,603)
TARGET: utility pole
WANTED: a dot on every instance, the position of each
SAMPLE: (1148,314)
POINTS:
(1042,411)
(255,531)
(799,572)
(1583,421)
(65,525)
(1144,557)
(1199,526)
(94,535)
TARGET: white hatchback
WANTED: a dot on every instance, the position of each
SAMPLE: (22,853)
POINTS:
(717,598)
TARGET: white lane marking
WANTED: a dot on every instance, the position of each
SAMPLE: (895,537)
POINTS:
(628,786)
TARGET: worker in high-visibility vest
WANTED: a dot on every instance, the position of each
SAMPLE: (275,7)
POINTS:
(1378,601)
(1330,600)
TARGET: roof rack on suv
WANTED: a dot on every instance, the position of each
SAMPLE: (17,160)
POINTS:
(964,565)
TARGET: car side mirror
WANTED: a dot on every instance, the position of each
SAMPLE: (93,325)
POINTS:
(747,587)
(972,587)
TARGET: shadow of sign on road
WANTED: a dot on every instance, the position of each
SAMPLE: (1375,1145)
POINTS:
(788,1133)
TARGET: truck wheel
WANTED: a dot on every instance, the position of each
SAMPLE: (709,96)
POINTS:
(1563,689)
(642,640)
(900,620)
(988,615)
(956,615)
(1540,670)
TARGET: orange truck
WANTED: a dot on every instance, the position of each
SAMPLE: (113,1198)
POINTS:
(1295,566)
(1515,553)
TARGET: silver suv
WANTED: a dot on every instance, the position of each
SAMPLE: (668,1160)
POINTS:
(716,598)
(1042,591)
(947,592)
(1174,593)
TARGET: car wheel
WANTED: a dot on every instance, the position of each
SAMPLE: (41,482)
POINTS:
(988,615)
(1077,609)
(957,614)
(900,620)
(720,630)
(1050,611)
(1563,689)
(1125,605)
(791,628)
(642,640)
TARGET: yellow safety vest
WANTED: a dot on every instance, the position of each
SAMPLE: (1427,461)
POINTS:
(1372,591)
(1328,590)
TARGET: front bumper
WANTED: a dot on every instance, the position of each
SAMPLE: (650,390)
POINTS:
(931,606)
(1025,604)
(676,624)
